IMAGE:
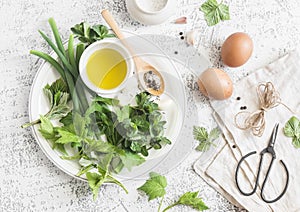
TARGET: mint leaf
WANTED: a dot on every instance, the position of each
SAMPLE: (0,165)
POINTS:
(122,113)
(130,160)
(214,12)
(292,127)
(191,199)
(155,186)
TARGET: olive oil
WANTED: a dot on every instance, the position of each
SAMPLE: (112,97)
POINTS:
(106,69)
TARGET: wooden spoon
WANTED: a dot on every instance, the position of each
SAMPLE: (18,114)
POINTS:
(143,68)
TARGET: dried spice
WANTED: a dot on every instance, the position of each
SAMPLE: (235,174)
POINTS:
(152,81)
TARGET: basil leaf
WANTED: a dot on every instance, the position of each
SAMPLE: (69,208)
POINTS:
(296,142)
(292,128)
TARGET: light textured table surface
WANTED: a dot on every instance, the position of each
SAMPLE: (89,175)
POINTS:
(28,180)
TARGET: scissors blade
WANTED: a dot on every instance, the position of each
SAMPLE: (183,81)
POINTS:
(274,135)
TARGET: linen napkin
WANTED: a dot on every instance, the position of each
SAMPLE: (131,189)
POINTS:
(285,75)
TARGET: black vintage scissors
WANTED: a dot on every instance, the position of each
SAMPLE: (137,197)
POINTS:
(269,150)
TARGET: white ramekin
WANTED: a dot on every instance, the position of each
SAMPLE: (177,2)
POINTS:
(108,43)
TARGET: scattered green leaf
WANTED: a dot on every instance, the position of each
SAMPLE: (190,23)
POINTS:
(190,199)
(215,12)
(205,139)
(292,129)
(155,186)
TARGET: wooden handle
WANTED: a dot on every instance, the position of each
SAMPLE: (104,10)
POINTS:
(112,23)
(114,26)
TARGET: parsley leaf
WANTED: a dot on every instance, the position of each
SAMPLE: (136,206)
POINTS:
(200,134)
(206,139)
(215,12)
(292,129)
(155,186)
(191,199)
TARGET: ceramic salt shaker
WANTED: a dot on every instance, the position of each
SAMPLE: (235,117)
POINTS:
(151,12)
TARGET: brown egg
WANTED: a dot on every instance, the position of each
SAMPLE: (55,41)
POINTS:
(215,83)
(237,49)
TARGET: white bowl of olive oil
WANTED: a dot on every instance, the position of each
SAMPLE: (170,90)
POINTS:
(105,66)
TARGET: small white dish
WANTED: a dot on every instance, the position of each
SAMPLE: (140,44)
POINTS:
(114,44)
(151,12)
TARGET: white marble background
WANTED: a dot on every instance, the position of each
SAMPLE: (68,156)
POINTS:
(28,180)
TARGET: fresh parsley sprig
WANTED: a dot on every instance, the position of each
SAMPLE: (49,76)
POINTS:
(292,129)
(215,12)
(155,187)
(206,139)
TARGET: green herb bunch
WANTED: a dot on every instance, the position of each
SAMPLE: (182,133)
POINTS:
(89,34)
(105,136)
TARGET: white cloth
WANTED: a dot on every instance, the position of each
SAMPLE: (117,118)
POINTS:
(285,75)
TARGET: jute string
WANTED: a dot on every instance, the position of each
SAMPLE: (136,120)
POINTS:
(268,98)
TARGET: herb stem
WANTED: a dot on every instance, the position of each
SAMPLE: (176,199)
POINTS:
(170,206)
(160,204)
(28,124)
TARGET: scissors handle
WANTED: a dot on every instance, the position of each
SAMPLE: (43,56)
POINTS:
(265,180)
(258,175)
(236,175)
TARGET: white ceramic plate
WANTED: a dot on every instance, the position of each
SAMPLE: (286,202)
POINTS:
(172,103)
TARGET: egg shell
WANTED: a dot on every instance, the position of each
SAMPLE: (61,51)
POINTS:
(215,83)
(237,49)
